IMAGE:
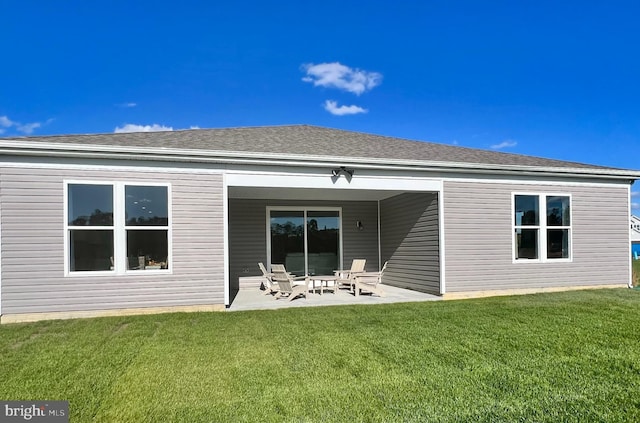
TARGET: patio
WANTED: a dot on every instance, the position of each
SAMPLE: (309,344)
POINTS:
(254,299)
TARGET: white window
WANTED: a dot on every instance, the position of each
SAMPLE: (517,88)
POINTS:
(542,237)
(114,228)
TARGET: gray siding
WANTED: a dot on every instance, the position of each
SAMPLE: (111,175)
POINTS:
(248,233)
(409,229)
(479,232)
(32,225)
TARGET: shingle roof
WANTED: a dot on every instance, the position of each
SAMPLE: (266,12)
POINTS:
(307,140)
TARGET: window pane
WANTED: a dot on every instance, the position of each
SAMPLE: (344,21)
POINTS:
(558,243)
(90,205)
(287,240)
(90,250)
(527,210)
(147,249)
(323,242)
(146,206)
(526,243)
(558,213)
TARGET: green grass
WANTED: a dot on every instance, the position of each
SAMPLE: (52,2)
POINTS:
(571,357)
(636,272)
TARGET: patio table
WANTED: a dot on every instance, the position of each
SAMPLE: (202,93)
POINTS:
(324,282)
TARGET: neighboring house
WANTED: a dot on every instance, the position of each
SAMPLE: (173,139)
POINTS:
(166,221)
(634,234)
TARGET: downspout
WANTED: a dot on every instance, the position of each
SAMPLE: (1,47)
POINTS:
(630,285)
(379,240)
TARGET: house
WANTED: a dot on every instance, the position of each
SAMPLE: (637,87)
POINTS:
(171,221)
(634,236)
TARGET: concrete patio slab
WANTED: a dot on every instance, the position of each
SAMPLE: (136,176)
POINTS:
(254,299)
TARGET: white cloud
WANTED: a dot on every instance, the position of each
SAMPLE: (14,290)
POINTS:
(635,193)
(336,75)
(6,122)
(26,128)
(130,127)
(194,127)
(504,144)
(333,108)
(635,206)
(128,105)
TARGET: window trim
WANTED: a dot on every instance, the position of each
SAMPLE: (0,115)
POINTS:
(119,229)
(542,228)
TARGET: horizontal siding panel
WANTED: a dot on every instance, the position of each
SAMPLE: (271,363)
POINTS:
(479,237)
(410,241)
(76,305)
(17,257)
(19,224)
(33,234)
(33,244)
(41,207)
(89,294)
(32,241)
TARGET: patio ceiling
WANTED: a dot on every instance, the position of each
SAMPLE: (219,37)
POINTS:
(307,194)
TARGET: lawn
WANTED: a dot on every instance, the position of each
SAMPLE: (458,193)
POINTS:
(572,357)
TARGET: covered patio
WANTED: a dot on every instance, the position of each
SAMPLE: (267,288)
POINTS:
(255,299)
(318,223)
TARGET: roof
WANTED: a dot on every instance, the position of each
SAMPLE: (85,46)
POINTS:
(299,142)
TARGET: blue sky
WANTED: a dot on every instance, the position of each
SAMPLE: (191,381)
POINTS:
(553,79)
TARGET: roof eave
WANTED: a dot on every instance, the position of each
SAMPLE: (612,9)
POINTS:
(39,149)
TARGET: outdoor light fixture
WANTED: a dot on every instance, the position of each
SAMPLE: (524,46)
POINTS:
(337,171)
(359,225)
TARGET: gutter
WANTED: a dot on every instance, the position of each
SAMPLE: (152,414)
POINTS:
(39,149)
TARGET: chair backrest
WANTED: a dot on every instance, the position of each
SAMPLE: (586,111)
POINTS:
(283,280)
(278,268)
(267,276)
(384,266)
(372,278)
(357,265)
(263,270)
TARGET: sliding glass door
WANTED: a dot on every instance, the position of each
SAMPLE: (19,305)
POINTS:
(287,240)
(323,242)
(306,241)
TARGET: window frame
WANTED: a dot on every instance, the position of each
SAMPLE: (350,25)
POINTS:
(542,228)
(119,229)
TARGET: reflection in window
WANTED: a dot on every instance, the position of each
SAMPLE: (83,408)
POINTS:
(527,232)
(527,210)
(147,249)
(287,240)
(323,245)
(109,232)
(558,243)
(90,227)
(90,250)
(527,243)
(537,238)
(90,205)
(558,217)
(558,211)
(146,206)
(147,226)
